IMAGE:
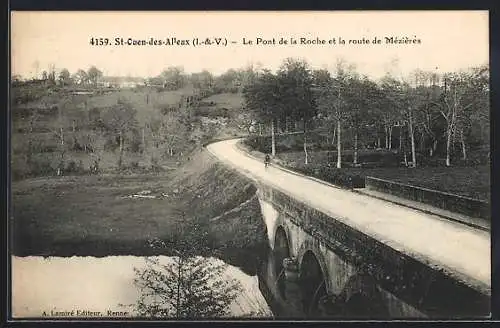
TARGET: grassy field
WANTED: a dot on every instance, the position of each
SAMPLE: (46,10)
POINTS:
(145,101)
(231,101)
(99,215)
(471,181)
(148,103)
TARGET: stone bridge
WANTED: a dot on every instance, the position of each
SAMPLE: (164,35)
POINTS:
(337,253)
(322,267)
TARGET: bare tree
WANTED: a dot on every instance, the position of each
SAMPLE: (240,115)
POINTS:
(94,75)
(81,77)
(459,93)
(94,146)
(263,98)
(173,77)
(332,102)
(58,132)
(51,75)
(64,77)
(120,120)
(33,118)
(295,95)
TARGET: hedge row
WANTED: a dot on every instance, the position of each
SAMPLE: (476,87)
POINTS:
(339,177)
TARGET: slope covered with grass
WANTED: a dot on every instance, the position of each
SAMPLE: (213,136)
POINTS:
(121,215)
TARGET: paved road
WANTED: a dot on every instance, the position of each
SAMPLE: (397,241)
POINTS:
(460,250)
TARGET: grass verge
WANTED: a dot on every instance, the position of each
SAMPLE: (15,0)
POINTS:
(120,215)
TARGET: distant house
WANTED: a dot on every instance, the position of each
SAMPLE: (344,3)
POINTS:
(32,82)
(155,82)
(104,84)
(123,82)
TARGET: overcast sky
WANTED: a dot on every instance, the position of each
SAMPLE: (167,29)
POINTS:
(450,40)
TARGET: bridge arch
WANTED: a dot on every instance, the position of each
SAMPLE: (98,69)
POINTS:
(313,280)
(281,251)
(313,246)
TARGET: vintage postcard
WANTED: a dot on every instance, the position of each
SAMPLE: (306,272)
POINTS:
(250,165)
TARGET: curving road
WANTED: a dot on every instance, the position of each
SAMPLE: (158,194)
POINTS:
(460,250)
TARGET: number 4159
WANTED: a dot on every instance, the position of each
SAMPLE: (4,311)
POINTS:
(99,41)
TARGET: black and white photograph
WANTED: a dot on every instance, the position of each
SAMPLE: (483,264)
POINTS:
(259,165)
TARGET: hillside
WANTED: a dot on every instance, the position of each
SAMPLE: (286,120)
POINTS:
(62,131)
(232,101)
(202,201)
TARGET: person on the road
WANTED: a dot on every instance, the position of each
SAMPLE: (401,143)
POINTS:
(267,160)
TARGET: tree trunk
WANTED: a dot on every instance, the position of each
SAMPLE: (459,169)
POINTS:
(412,138)
(260,129)
(390,138)
(462,141)
(305,144)
(448,146)
(305,151)
(451,132)
(273,139)
(333,137)
(62,138)
(30,142)
(378,142)
(73,130)
(120,158)
(355,157)
(453,141)
(143,140)
(400,139)
(61,163)
(339,146)
(386,129)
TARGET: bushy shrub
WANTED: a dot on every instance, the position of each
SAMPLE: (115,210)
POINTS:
(168,109)
(211,112)
(73,167)
(111,144)
(132,167)
(259,143)
(340,177)
(425,161)
(41,166)
(19,170)
(156,167)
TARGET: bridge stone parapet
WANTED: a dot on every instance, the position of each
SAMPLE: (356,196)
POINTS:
(343,272)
